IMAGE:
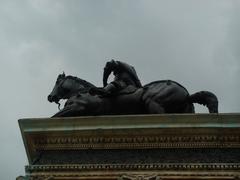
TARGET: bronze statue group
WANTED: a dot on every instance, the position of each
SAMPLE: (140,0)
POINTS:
(125,95)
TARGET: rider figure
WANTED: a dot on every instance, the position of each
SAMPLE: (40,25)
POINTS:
(125,79)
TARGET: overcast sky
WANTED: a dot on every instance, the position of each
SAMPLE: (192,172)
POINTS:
(194,42)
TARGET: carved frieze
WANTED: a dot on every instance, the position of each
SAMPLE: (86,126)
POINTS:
(115,142)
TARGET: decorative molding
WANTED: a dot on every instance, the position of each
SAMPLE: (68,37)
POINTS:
(139,177)
(164,166)
(135,171)
(160,141)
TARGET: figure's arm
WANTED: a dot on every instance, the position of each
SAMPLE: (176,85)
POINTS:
(109,67)
(106,74)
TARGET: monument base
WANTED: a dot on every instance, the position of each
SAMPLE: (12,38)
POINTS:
(141,147)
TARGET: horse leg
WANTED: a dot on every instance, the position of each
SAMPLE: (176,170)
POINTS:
(154,108)
(70,111)
(189,108)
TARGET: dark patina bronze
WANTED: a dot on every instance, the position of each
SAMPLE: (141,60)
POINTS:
(125,95)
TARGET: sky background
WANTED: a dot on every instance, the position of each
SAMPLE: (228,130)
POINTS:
(193,42)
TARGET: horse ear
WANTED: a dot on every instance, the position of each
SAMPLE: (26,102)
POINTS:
(63,74)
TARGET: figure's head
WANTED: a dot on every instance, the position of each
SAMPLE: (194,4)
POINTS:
(112,65)
(63,88)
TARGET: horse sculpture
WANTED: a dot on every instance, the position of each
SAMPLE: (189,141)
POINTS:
(158,97)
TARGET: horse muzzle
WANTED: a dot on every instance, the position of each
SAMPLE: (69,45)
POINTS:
(52,99)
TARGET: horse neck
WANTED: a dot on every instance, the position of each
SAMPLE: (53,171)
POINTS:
(81,85)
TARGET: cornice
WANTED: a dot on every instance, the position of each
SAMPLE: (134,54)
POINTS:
(131,132)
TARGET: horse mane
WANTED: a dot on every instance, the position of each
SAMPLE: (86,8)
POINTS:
(83,82)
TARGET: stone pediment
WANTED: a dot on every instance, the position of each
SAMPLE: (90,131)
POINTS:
(133,147)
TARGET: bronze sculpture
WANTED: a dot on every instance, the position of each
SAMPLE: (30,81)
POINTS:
(125,95)
(126,80)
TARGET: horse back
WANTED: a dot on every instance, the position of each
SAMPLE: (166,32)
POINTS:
(165,92)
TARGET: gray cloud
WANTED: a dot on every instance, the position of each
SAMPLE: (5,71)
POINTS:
(193,42)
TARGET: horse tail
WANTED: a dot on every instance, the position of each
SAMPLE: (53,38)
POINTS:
(205,98)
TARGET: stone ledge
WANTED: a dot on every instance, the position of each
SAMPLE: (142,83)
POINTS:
(130,132)
(141,147)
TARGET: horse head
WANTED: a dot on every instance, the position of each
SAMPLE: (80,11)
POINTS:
(67,86)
